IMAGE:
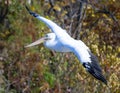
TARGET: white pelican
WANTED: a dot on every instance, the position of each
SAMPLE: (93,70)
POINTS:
(60,41)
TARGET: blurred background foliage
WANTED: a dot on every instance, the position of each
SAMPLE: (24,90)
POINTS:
(39,70)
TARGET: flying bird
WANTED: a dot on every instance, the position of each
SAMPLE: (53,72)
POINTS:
(60,41)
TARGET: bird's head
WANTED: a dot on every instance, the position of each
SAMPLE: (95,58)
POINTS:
(46,38)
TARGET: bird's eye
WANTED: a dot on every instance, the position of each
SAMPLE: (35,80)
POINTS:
(47,36)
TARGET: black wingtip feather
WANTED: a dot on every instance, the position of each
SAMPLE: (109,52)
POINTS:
(27,8)
(95,72)
(94,68)
(31,13)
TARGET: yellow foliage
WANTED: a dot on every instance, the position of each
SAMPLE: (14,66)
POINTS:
(64,13)
(32,8)
(73,1)
(93,15)
(56,7)
(113,0)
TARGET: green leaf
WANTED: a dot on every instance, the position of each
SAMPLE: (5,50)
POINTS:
(50,78)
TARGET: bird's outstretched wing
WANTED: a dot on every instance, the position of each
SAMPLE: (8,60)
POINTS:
(53,26)
(90,62)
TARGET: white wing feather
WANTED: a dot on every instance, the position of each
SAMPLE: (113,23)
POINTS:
(53,26)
